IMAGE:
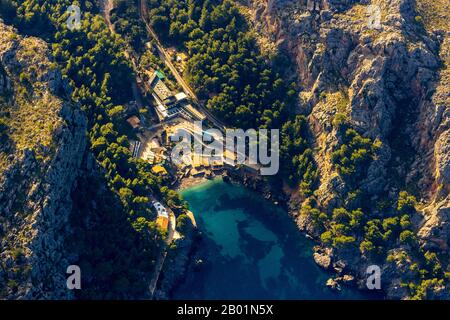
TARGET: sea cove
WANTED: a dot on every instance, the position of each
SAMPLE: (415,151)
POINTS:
(249,249)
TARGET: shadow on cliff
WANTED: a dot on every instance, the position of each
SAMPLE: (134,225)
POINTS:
(115,262)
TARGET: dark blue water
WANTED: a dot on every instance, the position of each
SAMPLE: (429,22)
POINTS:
(250,249)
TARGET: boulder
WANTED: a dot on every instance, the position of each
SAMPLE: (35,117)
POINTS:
(323,257)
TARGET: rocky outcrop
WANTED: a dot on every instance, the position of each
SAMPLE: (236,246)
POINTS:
(45,147)
(323,258)
(383,66)
(176,264)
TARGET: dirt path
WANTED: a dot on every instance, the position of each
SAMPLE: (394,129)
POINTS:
(171,235)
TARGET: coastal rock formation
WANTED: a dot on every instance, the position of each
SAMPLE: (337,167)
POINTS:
(40,156)
(383,66)
(323,259)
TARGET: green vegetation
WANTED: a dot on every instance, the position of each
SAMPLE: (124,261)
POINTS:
(225,66)
(118,255)
(92,62)
(376,237)
(376,234)
(183,223)
(3,130)
(297,156)
(242,87)
(434,14)
(239,84)
(28,114)
(355,153)
(126,20)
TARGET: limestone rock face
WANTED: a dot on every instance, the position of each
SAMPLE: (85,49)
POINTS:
(323,259)
(388,74)
(442,156)
(435,227)
(39,163)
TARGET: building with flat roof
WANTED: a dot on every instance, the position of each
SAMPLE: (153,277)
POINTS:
(160,88)
(163,216)
(160,75)
(149,156)
(166,101)
(159,170)
(181,96)
(161,110)
(163,222)
(160,209)
(169,105)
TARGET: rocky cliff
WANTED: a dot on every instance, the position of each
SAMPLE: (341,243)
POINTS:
(43,141)
(382,66)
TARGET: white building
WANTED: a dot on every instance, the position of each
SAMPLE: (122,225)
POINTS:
(160,209)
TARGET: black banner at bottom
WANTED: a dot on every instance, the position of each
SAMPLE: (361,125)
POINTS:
(198,310)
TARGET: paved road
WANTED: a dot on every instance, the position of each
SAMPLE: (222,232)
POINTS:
(171,232)
(158,268)
(167,60)
(106,6)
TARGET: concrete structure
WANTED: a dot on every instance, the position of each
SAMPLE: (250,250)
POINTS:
(163,222)
(149,156)
(135,147)
(181,96)
(169,105)
(159,87)
(197,115)
(159,170)
(163,216)
(161,93)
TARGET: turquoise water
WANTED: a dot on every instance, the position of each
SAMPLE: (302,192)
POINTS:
(250,249)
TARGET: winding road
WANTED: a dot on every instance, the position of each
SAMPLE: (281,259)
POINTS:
(167,60)
(106,6)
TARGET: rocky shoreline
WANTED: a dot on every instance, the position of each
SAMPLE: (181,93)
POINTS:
(340,276)
(185,253)
(389,85)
